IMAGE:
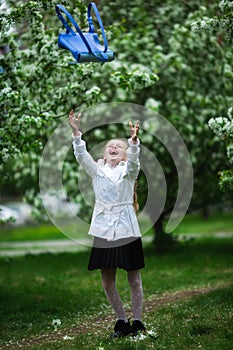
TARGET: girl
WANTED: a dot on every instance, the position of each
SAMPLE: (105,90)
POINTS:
(117,237)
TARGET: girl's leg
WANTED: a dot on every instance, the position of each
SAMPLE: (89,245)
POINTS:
(109,285)
(135,282)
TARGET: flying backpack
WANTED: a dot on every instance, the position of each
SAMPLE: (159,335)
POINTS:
(85,47)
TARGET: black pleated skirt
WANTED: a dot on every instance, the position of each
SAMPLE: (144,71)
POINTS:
(126,253)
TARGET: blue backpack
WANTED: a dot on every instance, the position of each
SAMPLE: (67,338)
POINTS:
(85,47)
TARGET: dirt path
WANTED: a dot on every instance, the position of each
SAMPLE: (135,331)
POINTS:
(102,322)
(20,248)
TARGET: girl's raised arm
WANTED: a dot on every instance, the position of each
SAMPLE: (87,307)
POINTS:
(82,156)
(134,131)
(133,164)
(75,122)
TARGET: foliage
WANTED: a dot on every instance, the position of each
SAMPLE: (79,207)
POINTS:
(223,128)
(222,21)
(194,69)
(39,86)
(36,79)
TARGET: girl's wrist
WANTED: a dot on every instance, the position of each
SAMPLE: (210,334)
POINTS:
(77,138)
(133,143)
(76,132)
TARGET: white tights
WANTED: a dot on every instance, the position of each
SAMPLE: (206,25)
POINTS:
(135,283)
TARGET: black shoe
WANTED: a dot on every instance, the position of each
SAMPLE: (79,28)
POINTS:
(137,327)
(121,329)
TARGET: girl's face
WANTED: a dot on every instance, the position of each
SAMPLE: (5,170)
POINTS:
(115,151)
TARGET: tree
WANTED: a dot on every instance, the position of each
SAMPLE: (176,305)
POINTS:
(194,85)
(39,86)
(222,126)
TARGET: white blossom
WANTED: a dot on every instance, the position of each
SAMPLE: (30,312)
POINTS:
(67,337)
(5,155)
(152,333)
(56,323)
(219,125)
(93,92)
(230,152)
(151,103)
(230,112)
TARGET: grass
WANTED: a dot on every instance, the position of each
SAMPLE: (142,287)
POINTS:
(25,233)
(205,322)
(37,289)
(190,224)
(197,224)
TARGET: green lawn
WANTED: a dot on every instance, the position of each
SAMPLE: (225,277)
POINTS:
(190,224)
(197,224)
(39,232)
(35,290)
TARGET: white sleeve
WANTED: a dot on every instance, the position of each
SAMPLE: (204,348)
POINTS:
(83,157)
(133,164)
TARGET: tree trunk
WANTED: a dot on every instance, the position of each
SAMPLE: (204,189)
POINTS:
(205,212)
(163,241)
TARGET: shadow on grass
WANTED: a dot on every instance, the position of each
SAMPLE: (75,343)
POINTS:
(195,247)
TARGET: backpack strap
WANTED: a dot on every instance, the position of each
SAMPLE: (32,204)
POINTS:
(91,25)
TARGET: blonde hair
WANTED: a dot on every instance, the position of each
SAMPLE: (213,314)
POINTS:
(135,198)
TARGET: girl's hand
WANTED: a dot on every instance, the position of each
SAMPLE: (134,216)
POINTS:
(134,131)
(74,122)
